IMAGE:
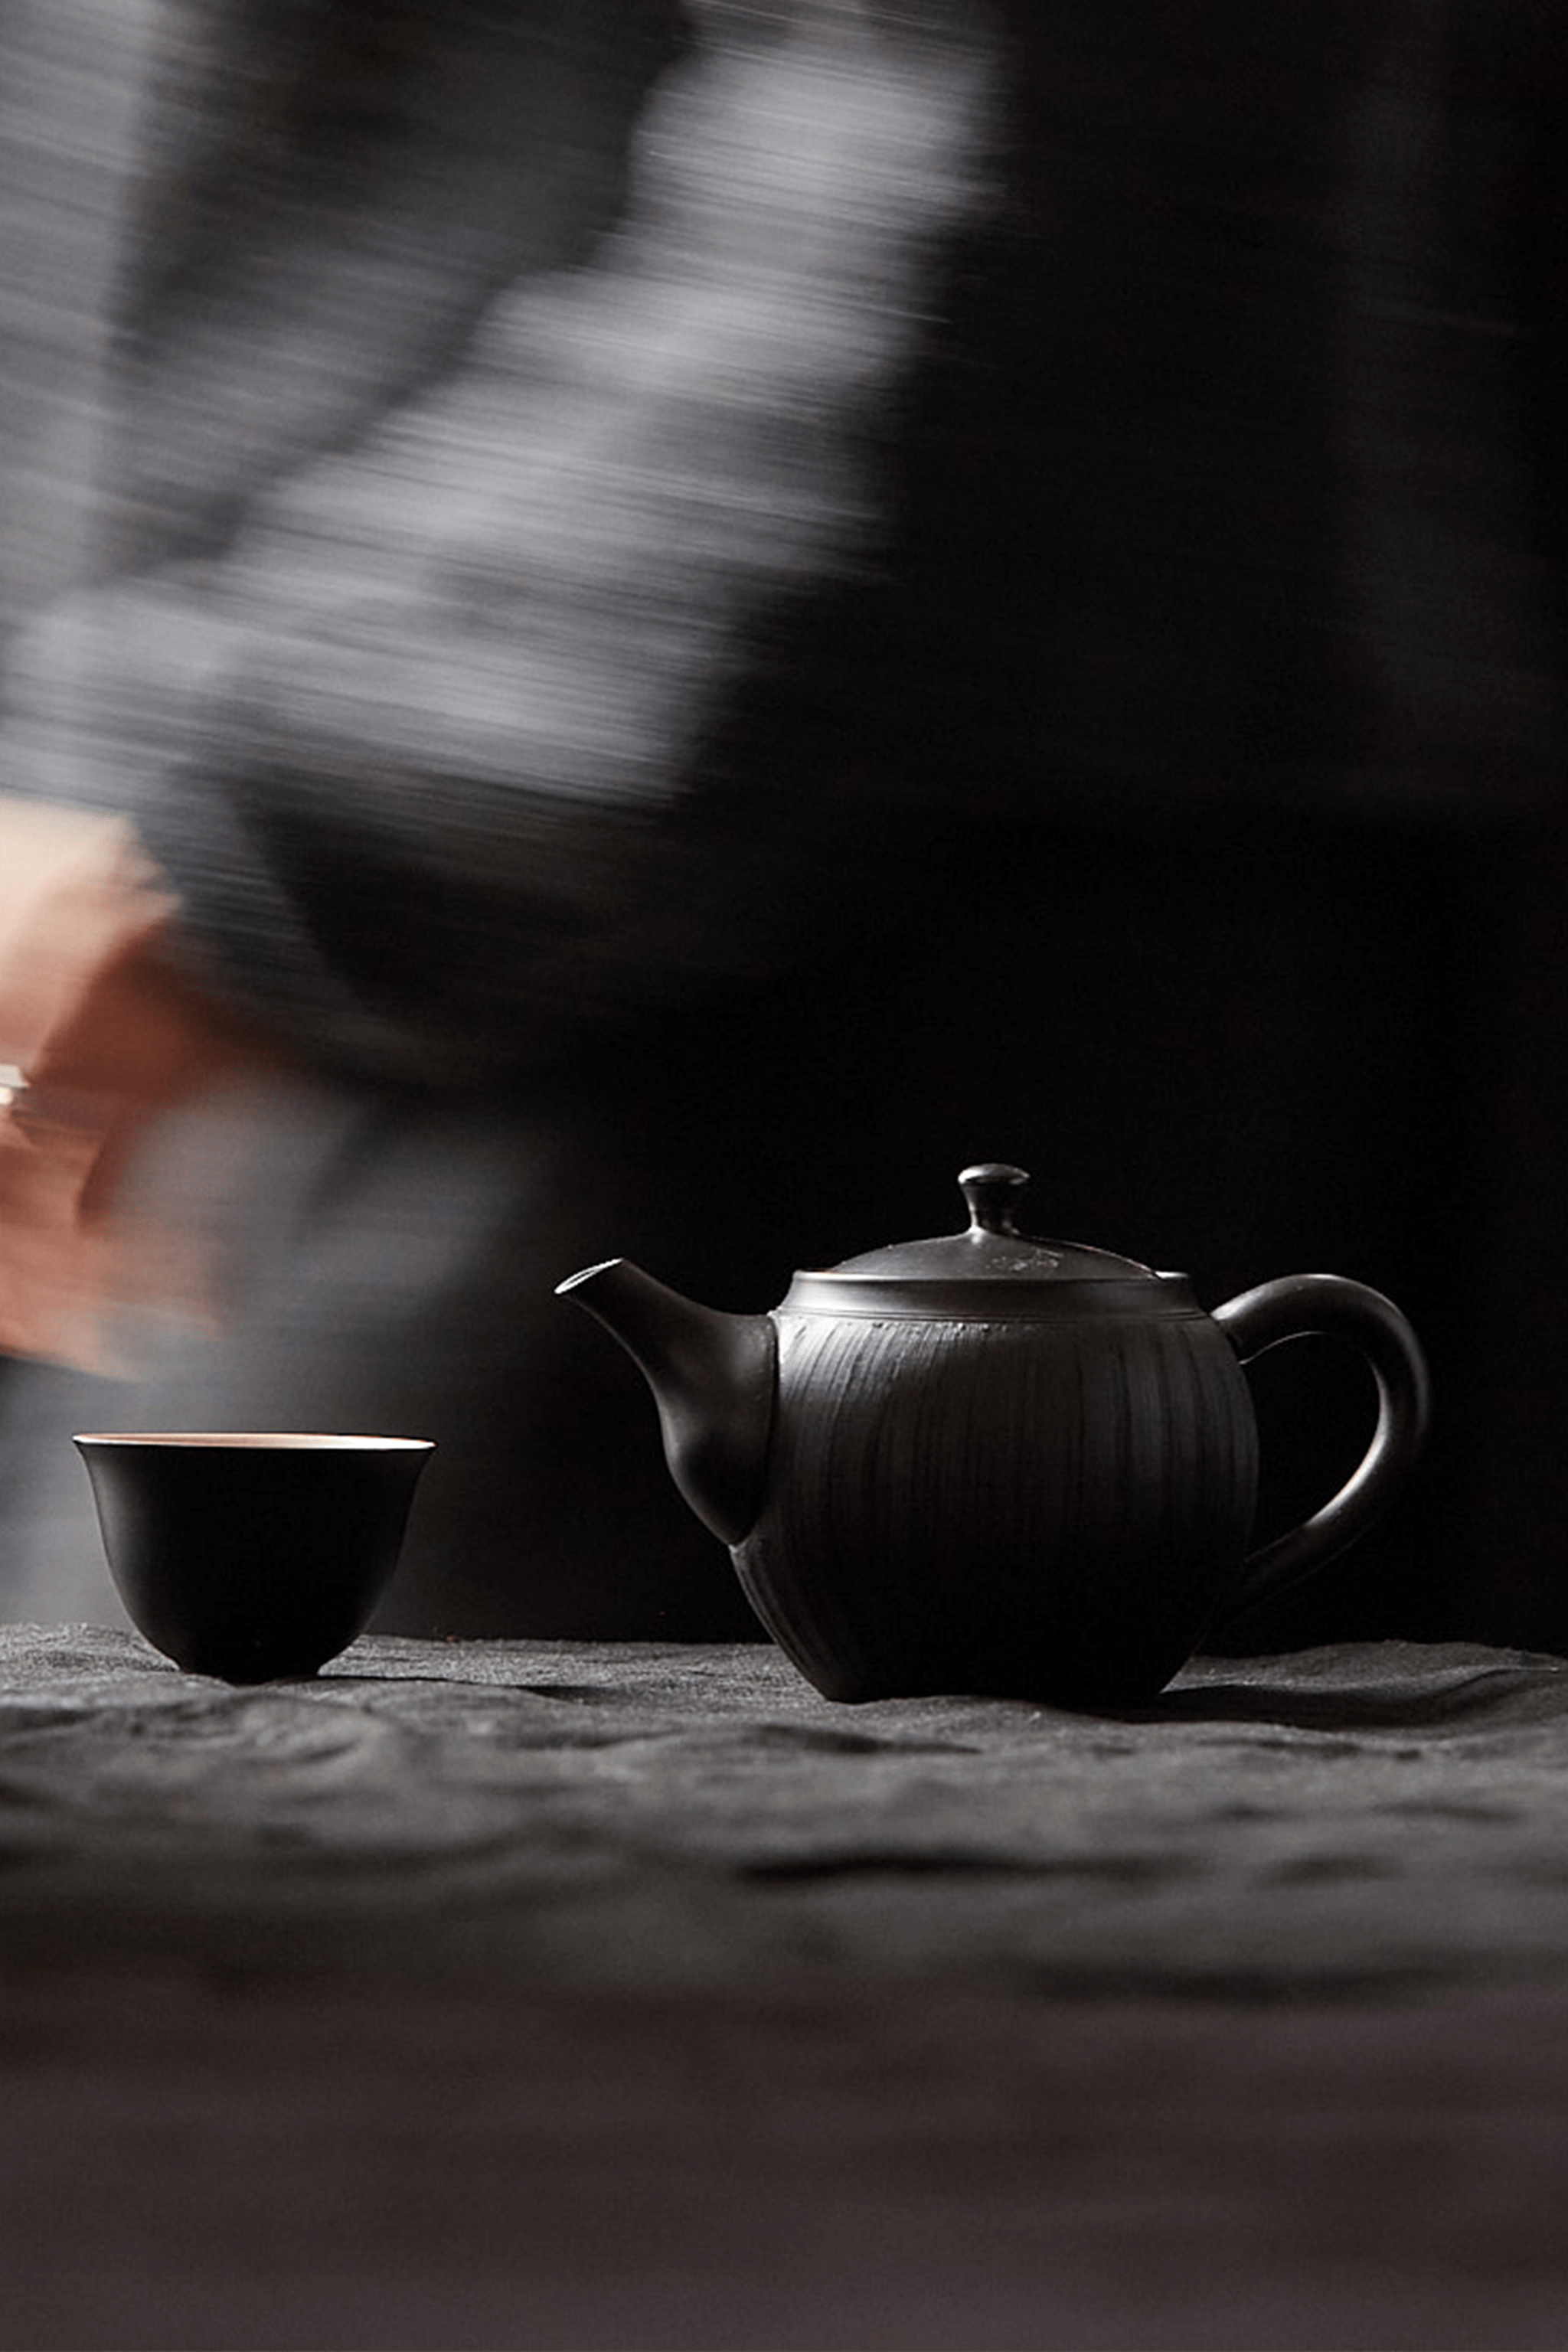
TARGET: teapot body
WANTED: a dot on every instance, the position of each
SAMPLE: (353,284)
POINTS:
(1049,1504)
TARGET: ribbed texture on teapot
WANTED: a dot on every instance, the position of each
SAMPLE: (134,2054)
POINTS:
(948,1517)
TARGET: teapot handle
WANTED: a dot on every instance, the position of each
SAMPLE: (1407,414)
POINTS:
(1290,1308)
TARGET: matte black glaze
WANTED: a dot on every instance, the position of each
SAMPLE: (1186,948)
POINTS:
(988,1463)
(1032,1515)
(250,1558)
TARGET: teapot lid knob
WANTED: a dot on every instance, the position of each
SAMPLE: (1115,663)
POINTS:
(993,1191)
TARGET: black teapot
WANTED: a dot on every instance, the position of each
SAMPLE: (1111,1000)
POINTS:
(996,1464)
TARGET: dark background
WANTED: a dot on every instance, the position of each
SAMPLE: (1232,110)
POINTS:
(1245,505)
(1215,683)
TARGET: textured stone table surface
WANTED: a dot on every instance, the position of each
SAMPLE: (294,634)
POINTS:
(543,1993)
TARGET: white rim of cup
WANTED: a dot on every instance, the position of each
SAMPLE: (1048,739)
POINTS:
(291,1440)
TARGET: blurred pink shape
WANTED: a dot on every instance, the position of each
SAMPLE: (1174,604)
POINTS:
(102,1031)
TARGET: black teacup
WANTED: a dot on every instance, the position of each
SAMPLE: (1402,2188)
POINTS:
(251,1555)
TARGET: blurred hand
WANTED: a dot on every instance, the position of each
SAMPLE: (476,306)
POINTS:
(100,1032)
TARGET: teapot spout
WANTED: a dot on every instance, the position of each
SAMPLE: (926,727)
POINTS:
(713,1377)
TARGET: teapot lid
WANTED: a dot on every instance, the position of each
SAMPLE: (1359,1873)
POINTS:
(991,1249)
(990,1273)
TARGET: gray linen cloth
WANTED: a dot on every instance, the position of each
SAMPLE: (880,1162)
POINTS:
(548,1994)
(1381,1816)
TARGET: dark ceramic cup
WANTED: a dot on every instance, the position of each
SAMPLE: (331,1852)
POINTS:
(248,1555)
